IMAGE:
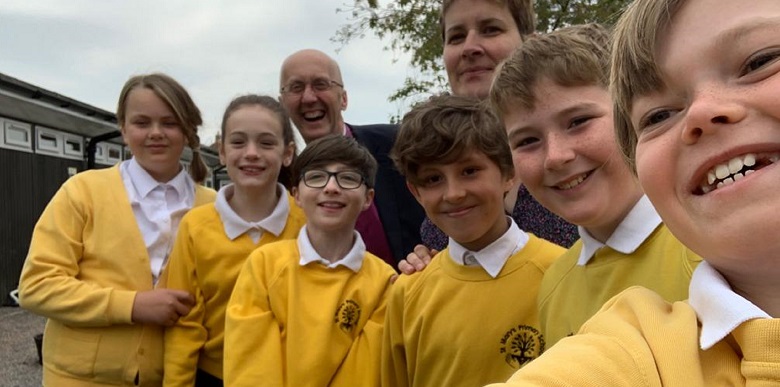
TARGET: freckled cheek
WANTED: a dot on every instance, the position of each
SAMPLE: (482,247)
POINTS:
(529,170)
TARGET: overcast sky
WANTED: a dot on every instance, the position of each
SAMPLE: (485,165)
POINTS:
(86,50)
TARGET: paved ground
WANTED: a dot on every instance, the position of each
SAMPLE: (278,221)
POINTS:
(18,355)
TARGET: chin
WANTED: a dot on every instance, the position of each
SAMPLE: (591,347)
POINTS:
(478,92)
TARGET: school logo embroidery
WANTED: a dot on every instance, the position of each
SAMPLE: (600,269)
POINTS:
(521,345)
(347,315)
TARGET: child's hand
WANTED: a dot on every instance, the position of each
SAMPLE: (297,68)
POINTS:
(161,306)
(417,260)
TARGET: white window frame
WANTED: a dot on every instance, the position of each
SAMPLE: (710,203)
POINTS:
(107,148)
(69,153)
(7,126)
(100,153)
(43,148)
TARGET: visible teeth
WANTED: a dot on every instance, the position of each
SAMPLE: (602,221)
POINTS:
(750,160)
(313,115)
(735,165)
(721,171)
(735,169)
(572,183)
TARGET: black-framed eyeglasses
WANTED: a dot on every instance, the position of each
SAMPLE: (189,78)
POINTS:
(317,85)
(318,178)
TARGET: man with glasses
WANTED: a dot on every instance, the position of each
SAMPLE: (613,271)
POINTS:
(313,92)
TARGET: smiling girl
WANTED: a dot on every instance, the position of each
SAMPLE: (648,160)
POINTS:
(215,240)
(99,247)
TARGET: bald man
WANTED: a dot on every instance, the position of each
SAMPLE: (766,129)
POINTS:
(313,92)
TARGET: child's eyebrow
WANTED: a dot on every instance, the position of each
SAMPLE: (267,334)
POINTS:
(746,28)
(578,107)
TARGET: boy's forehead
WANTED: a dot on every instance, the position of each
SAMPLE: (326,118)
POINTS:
(329,166)
(464,156)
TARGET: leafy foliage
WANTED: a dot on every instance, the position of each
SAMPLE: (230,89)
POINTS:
(412,27)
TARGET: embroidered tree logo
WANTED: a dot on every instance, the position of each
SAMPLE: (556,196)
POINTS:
(521,345)
(347,315)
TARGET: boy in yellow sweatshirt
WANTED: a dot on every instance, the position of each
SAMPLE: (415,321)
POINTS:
(553,99)
(470,318)
(309,312)
(696,85)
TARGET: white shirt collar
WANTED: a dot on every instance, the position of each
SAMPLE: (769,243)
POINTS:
(353,260)
(144,183)
(719,309)
(235,226)
(494,256)
(635,228)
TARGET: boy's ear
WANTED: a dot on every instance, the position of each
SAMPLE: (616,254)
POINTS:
(369,198)
(295,194)
(509,183)
(413,189)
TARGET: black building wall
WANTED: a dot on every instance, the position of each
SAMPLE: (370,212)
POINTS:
(28,182)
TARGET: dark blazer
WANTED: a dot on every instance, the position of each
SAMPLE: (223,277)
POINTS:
(399,212)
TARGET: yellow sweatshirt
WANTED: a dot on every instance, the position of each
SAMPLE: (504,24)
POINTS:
(293,325)
(206,263)
(570,294)
(639,339)
(455,325)
(86,262)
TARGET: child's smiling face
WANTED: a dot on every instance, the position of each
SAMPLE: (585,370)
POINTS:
(564,151)
(709,141)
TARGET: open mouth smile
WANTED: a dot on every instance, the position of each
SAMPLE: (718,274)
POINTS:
(731,171)
(313,115)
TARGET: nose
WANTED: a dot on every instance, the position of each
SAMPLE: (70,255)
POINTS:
(454,191)
(308,95)
(472,46)
(331,186)
(251,150)
(710,110)
(155,130)
(559,152)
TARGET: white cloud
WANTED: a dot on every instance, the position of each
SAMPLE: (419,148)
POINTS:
(86,49)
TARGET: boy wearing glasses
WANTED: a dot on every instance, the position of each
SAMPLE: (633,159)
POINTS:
(310,311)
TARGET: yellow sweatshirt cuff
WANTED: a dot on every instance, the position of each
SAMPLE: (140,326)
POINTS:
(120,307)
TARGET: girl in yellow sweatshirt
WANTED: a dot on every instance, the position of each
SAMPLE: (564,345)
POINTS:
(100,245)
(215,240)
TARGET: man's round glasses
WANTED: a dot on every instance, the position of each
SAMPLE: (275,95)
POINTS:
(317,178)
(317,85)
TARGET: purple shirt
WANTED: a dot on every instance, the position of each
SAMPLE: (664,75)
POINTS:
(369,225)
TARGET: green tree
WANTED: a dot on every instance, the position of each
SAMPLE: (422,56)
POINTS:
(412,27)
